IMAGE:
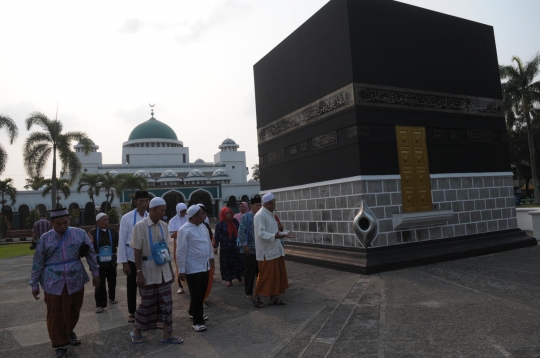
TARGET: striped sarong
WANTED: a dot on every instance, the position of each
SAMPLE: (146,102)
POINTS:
(156,306)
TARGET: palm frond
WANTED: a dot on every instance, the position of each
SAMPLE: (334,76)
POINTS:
(37,118)
(11,126)
(3,159)
(6,188)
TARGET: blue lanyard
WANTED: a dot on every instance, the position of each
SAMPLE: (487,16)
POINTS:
(135,216)
(97,237)
(150,234)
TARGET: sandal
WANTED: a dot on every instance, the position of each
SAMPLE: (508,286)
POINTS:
(277,302)
(257,302)
(131,318)
(99,310)
(61,352)
(73,339)
(135,339)
(113,301)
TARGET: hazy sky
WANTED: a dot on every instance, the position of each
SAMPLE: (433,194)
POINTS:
(104,61)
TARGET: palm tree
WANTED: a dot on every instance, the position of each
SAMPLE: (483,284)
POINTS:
(6,190)
(131,182)
(13,132)
(34,183)
(520,95)
(40,145)
(109,183)
(62,186)
(92,181)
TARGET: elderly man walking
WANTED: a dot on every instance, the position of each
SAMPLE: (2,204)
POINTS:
(126,256)
(105,242)
(174,224)
(57,266)
(195,258)
(154,274)
(40,227)
(246,235)
(272,280)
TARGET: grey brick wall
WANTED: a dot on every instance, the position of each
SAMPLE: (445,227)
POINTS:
(323,214)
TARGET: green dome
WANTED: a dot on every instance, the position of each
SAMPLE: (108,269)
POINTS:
(152,128)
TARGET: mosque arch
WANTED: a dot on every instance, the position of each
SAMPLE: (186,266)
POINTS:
(232,203)
(172,198)
(105,207)
(202,196)
(8,213)
(201,189)
(42,209)
(245,198)
(89,214)
(24,213)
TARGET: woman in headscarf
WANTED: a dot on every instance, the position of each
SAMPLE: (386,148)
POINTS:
(231,264)
(244,208)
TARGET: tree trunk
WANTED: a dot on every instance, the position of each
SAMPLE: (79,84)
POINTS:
(53,180)
(533,159)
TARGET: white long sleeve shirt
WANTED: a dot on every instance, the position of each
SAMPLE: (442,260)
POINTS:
(193,249)
(266,245)
(128,221)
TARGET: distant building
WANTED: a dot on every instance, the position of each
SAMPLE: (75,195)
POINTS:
(154,152)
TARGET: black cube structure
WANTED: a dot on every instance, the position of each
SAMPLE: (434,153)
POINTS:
(382,136)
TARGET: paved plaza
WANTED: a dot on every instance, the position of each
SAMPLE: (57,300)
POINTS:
(486,306)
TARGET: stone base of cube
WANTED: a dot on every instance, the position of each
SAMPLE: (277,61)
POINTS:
(386,258)
(471,207)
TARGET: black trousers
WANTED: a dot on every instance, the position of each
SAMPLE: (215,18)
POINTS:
(197,283)
(132,288)
(251,272)
(106,274)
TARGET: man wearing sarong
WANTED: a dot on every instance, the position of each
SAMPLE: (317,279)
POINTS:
(40,227)
(246,235)
(125,253)
(174,224)
(57,266)
(154,274)
(105,240)
(272,280)
(195,258)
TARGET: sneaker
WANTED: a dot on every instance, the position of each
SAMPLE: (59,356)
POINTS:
(199,327)
(204,317)
(180,291)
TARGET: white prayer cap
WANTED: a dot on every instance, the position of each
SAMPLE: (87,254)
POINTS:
(268,197)
(180,207)
(99,216)
(157,201)
(193,209)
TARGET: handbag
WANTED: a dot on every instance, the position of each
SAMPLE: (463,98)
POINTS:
(160,251)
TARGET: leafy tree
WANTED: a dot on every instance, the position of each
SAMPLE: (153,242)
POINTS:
(62,186)
(256,173)
(132,182)
(34,183)
(93,182)
(113,217)
(7,190)
(13,132)
(521,93)
(40,146)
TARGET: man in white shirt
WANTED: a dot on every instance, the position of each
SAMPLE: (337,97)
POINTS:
(174,224)
(154,275)
(195,258)
(272,280)
(125,253)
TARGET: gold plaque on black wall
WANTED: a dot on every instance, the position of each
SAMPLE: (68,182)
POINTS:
(414,169)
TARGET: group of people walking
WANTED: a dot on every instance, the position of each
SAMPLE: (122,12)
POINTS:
(250,249)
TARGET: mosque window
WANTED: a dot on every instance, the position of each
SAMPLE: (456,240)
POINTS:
(85,170)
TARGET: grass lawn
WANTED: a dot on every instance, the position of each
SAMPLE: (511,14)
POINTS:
(14,250)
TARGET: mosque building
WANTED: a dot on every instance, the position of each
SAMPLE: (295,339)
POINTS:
(154,152)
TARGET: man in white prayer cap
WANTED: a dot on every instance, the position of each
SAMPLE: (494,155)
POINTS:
(272,280)
(195,258)
(174,224)
(154,274)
